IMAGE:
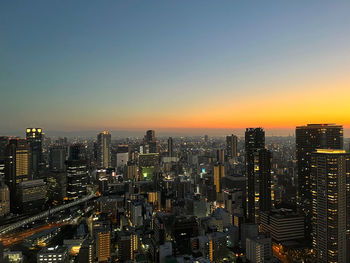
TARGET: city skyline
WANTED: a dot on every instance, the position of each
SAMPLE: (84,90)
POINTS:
(185,66)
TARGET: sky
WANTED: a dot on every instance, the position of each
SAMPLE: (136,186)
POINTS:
(173,65)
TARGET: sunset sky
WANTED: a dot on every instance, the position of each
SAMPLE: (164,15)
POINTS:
(134,65)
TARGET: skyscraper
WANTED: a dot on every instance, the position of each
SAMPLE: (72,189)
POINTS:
(104,149)
(328,180)
(150,142)
(57,158)
(231,146)
(34,138)
(170,147)
(77,179)
(17,166)
(254,141)
(308,139)
(219,173)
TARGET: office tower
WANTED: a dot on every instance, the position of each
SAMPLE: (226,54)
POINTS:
(57,186)
(329,215)
(259,249)
(4,140)
(35,139)
(219,173)
(77,152)
(136,216)
(231,146)
(4,199)
(87,252)
(283,225)
(104,149)
(127,244)
(57,158)
(170,147)
(150,136)
(102,234)
(150,142)
(308,139)
(57,254)
(77,179)
(31,195)
(122,156)
(220,156)
(17,166)
(256,158)
(148,164)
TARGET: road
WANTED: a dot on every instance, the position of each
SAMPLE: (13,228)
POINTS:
(14,226)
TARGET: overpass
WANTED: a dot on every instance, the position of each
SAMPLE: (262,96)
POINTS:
(11,227)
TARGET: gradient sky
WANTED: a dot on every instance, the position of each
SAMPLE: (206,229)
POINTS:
(93,65)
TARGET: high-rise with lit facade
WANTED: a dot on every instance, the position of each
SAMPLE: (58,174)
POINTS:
(231,146)
(77,179)
(17,166)
(104,149)
(308,139)
(254,142)
(219,173)
(34,137)
(4,199)
(329,213)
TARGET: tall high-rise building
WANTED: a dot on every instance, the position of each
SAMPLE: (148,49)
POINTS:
(329,213)
(87,252)
(77,152)
(170,147)
(231,146)
(150,142)
(4,140)
(150,136)
(57,158)
(308,139)
(219,173)
(77,179)
(35,139)
(104,149)
(4,199)
(254,142)
(17,166)
(102,234)
(220,156)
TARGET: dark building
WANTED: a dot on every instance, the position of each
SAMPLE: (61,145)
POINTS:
(35,139)
(17,166)
(77,179)
(329,196)
(30,196)
(254,141)
(231,146)
(77,152)
(57,158)
(87,252)
(150,142)
(184,228)
(4,140)
(56,186)
(308,139)
(170,147)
